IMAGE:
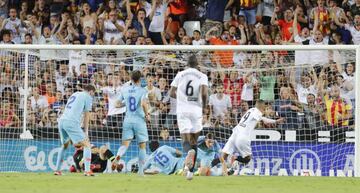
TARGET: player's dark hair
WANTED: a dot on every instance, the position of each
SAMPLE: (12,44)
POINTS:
(209,136)
(154,145)
(193,62)
(135,76)
(89,88)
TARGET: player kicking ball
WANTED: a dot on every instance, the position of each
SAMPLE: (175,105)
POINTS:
(240,139)
(190,88)
(70,128)
(136,116)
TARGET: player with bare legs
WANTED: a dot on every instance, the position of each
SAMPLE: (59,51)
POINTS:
(190,88)
(240,139)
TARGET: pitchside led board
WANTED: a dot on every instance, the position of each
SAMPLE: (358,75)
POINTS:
(276,154)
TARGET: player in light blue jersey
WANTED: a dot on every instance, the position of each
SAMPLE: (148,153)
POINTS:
(134,97)
(70,126)
(208,148)
(164,159)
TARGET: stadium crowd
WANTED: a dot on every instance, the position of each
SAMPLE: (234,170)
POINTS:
(310,89)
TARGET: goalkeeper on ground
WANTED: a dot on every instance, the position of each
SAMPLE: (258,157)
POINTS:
(99,161)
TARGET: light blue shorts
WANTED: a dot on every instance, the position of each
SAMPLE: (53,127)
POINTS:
(135,129)
(70,130)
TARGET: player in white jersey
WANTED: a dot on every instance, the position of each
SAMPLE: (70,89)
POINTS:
(190,88)
(240,139)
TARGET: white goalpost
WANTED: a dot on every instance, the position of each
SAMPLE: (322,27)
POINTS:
(319,137)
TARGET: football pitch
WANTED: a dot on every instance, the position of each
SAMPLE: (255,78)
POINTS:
(128,183)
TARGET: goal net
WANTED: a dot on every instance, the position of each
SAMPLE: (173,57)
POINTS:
(313,90)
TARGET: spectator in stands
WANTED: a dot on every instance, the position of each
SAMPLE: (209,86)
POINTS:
(285,24)
(248,10)
(83,78)
(220,104)
(323,14)
(62,76)
(87,17)
(354,28)
(233,85)
(154,96)
(215,11)
(113,29)
(111,91)
(307,85)
(169,105)
(49,120)
(6,39)
(267,80)
(355,9)
(157,17)
(8,118)
(141,22)
(313,113)
(301,57)
(59,103)
(338,109)
(38,102)
(247,92)
(31,119)
(349,82)
(322,56)
(68,91)
(197,40)
(287,108)
(224,58)
(100,117)
(13,24)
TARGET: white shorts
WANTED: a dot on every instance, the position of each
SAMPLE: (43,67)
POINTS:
(189,122)
(238,144)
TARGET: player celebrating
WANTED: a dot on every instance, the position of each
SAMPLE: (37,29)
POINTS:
(70,128)
(240,139)
(190,88)
(135,99)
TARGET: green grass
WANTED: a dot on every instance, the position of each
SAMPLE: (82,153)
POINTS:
(126,183)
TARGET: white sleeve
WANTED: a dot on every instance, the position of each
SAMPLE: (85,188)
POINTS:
(204,80)
(257,115)
(267,120)
(175,82)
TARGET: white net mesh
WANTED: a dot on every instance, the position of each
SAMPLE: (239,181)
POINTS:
(312,90)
